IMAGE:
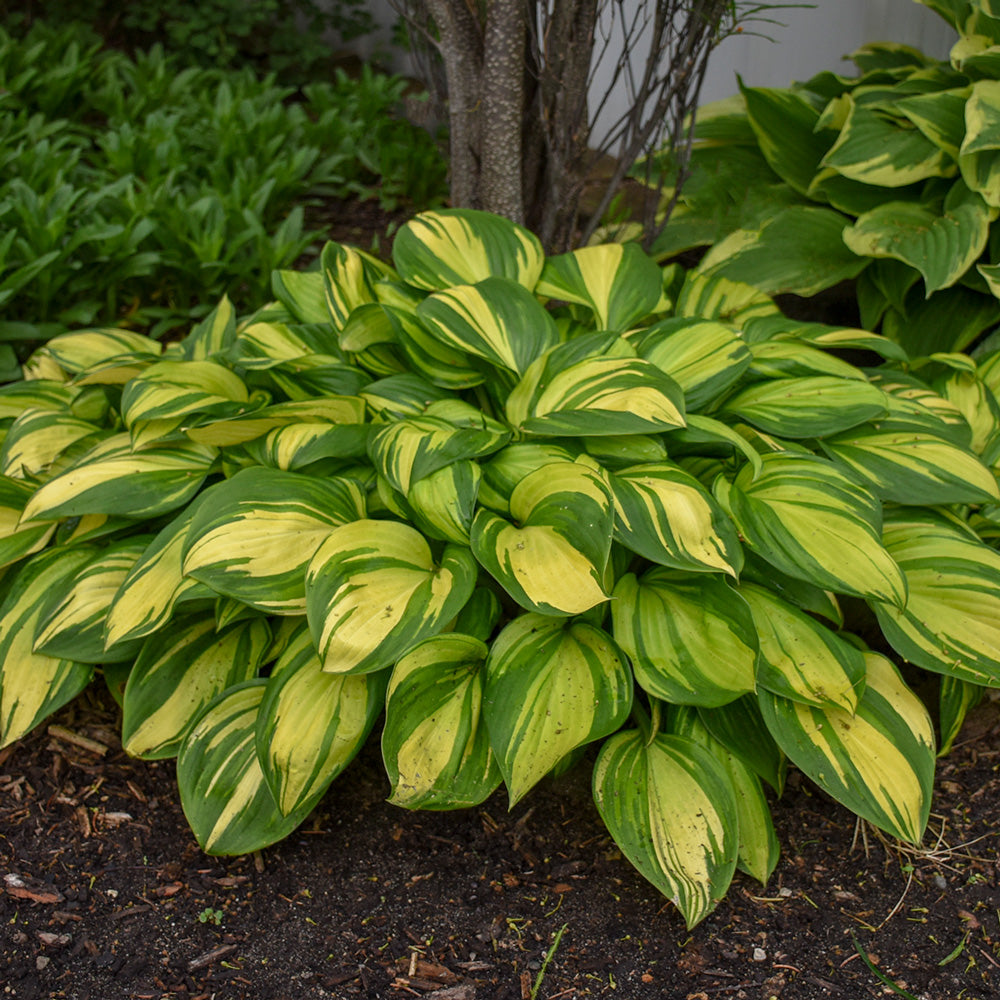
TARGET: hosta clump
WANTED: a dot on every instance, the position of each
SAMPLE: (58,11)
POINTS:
(511,507)
(891,177)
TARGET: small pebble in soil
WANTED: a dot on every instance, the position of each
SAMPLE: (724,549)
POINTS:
(940,882)
(759,955)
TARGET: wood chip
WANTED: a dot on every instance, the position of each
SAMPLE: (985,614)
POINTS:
(22,887)
(84,742)
(210,957)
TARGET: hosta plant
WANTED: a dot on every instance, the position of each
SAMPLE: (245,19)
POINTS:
(891,177)
(515,513)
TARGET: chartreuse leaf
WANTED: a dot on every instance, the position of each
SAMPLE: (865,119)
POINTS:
(37,438)
(79,352)
(213,334)
(462,246)
(175,677)
(73,623)
(497,320)
(551,686)
(405,451)
(758,843)
(594,385)
(955,699)
(172,389)
(671,808)
(112,479)
(942,247)
(691,640)
(807,407)
(17,542)
(146,597)
(618,281)
(552,559)
(703,357)
(878,760)
(667,516)
(951,621)
(979,157)
(909,460)
(435,743)
(253,536)
(312,723)
(223,792)
(800,658)
(32,685)
(815,523)
(373,589)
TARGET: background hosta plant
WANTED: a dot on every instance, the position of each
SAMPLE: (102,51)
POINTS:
(524,511)
(890,177)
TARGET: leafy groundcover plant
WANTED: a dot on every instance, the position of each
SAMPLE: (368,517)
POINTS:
(891,177)
(510,506)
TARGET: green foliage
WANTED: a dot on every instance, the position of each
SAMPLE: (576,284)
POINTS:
(891,177)
(279,36)
(137,191)
(577,502)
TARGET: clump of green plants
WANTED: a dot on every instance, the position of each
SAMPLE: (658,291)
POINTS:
(136,192)
(890,177)
(503,508)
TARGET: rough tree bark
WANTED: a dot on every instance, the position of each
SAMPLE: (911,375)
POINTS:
(517,87)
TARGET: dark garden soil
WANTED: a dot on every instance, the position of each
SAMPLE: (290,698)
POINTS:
(104,894)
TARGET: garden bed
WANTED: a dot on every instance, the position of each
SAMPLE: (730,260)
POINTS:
(108,897)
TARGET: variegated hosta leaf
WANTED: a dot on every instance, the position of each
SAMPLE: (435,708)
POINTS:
(507,468)
(312,723)
(173,389)
(74,620)
(497,320)
(807,407)
(619,282)
(373,589)
(146,597)
(758,843)
(878,147)
(445,501)
(551,686)
(37,438)
(435,743)
(942,247)
(17,542)
(440,363)
(979,157)
(592,385)
(618,451)
(800,658)
(255,536)
(951,622)
(691,640)
(300,445)
(740,728)
(462,246)
(977,404)
(775,330)
(213,334)
(813,522)
(112,479)
(33,686)
(667,516)
(175,677)
(553,557)
(348,277)
(909,461)
(671,808)
(302,293)
(264,345)
(406,451)
(878,760)
(703,357)
(36,394)
(78,352)
(225,798)
(955,700)
(332,410)
(806,596)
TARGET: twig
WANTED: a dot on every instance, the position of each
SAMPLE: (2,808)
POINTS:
(84,742)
